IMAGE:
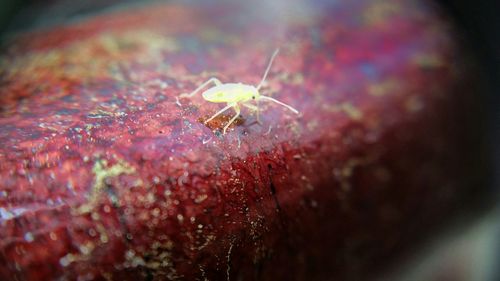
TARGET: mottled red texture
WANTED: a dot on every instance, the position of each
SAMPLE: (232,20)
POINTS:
(106,174)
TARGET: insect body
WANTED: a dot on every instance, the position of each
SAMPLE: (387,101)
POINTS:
(236,95)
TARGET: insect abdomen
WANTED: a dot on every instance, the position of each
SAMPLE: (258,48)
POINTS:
(230,92)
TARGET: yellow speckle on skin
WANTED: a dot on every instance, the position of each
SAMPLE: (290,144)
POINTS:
(108,276)
(346,107)
(180,218)
(53,236)
(313,125)
(101,173)
(90,57)
(352,111)
(297,79)
(428,60)
(292,79)
(344,173)
(383,88)
(213,35)
(380,12)
(86,250)
(200,198)
(414,104)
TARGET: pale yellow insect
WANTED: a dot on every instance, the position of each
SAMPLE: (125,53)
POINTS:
(235,95)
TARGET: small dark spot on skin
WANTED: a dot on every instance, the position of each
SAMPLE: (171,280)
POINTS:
(160,132)
(29,115)
(34,135)
(315,35)
(191,109)
(172,123)
(273,189)
(67,111)
(104,142)
(369,70)
(117,101)
(149,275)
(108,91)
(426,68)
(67,98)
(160,97)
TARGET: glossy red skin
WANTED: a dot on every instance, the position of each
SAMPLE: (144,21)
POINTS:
(375,157)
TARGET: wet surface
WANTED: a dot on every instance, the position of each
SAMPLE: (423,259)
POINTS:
(107,174)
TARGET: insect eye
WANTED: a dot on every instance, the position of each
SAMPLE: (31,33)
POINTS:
(253,97)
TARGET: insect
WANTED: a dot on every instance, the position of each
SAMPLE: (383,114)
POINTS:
(236,95)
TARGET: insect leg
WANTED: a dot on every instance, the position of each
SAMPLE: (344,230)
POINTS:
(281,103)
(254,108)
(228,106)
(237,109)
(258,112)
(214,80)
(251,106)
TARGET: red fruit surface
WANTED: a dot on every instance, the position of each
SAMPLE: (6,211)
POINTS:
(105,174)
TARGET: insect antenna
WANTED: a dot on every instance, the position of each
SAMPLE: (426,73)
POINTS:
(268,68)
(278,102)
